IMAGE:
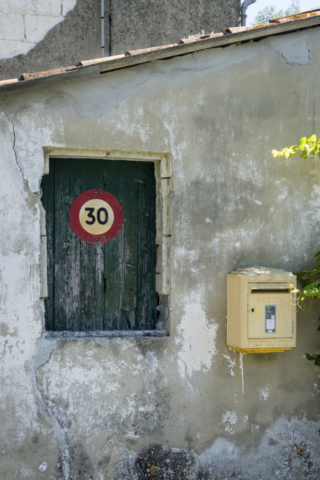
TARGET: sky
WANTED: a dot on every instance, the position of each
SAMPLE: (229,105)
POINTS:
(279,4)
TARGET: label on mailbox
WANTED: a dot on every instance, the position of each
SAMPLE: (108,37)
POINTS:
(270,319)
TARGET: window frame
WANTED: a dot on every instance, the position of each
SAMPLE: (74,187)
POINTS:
(163,173)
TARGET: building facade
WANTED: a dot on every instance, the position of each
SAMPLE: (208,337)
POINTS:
(170,400)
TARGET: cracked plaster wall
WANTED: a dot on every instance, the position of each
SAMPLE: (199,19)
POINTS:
(183,406)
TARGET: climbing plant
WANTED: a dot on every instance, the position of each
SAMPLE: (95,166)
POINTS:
(309,280)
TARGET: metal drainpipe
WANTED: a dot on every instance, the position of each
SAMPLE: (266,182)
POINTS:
(102,28)
(245,4)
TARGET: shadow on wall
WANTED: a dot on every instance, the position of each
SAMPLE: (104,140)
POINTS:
(130,25)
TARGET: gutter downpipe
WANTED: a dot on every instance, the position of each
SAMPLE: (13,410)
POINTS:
(102,28)
(245,4)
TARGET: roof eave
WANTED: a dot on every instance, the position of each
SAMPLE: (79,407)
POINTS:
(225,40)
(163,53)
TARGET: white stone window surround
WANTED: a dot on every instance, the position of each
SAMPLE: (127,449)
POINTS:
(163,172)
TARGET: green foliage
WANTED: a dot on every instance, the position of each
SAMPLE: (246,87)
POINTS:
(315,359)
(310,288)
(294,8)
(268,13)
(307,146)
(309,280)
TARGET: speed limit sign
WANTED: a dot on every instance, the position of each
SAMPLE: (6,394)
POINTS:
(96,216)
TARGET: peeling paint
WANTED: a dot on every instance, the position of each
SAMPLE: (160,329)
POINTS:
(196,338)
(231,363)
(229,418)
(297,54)
(264,393)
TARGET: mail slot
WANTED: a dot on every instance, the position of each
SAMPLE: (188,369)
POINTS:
(261,310)
(267,289)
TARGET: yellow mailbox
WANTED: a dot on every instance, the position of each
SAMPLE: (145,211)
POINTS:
(261,310)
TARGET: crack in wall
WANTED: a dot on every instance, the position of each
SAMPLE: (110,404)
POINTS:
(44,352)
(25,181)
(48,408)
(24,28)
(49,414)
(297,64)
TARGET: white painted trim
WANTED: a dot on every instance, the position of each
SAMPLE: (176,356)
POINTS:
(163,159)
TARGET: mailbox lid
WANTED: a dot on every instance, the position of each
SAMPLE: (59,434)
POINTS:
(271,310)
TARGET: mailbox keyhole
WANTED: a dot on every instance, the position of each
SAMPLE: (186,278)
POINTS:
(252,309)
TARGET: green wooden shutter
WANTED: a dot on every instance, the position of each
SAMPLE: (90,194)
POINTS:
(101,287)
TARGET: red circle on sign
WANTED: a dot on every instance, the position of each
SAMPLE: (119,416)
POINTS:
(74,216)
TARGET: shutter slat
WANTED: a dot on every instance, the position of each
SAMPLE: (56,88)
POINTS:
(146,293)
(121,252)
(66,247)
(91,258)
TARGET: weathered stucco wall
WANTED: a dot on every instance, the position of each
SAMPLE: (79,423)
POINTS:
(38,35)
(184,406)
(143,24)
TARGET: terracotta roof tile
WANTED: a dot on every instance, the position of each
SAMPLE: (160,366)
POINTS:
(296,16)
(151,49)
(94,61)
(7,82)
(237,29)
(199,37)
(47,73)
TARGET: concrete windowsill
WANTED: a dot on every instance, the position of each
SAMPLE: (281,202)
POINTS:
(108,334)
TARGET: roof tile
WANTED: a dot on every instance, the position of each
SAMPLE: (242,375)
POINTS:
(199,37)
(296,16)
(95,61)
(130,53)
(47,73)
(7,82)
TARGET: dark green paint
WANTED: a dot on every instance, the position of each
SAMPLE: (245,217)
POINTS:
(101,287)
(146,236)
(66,271)
(91,258)
(48,204)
